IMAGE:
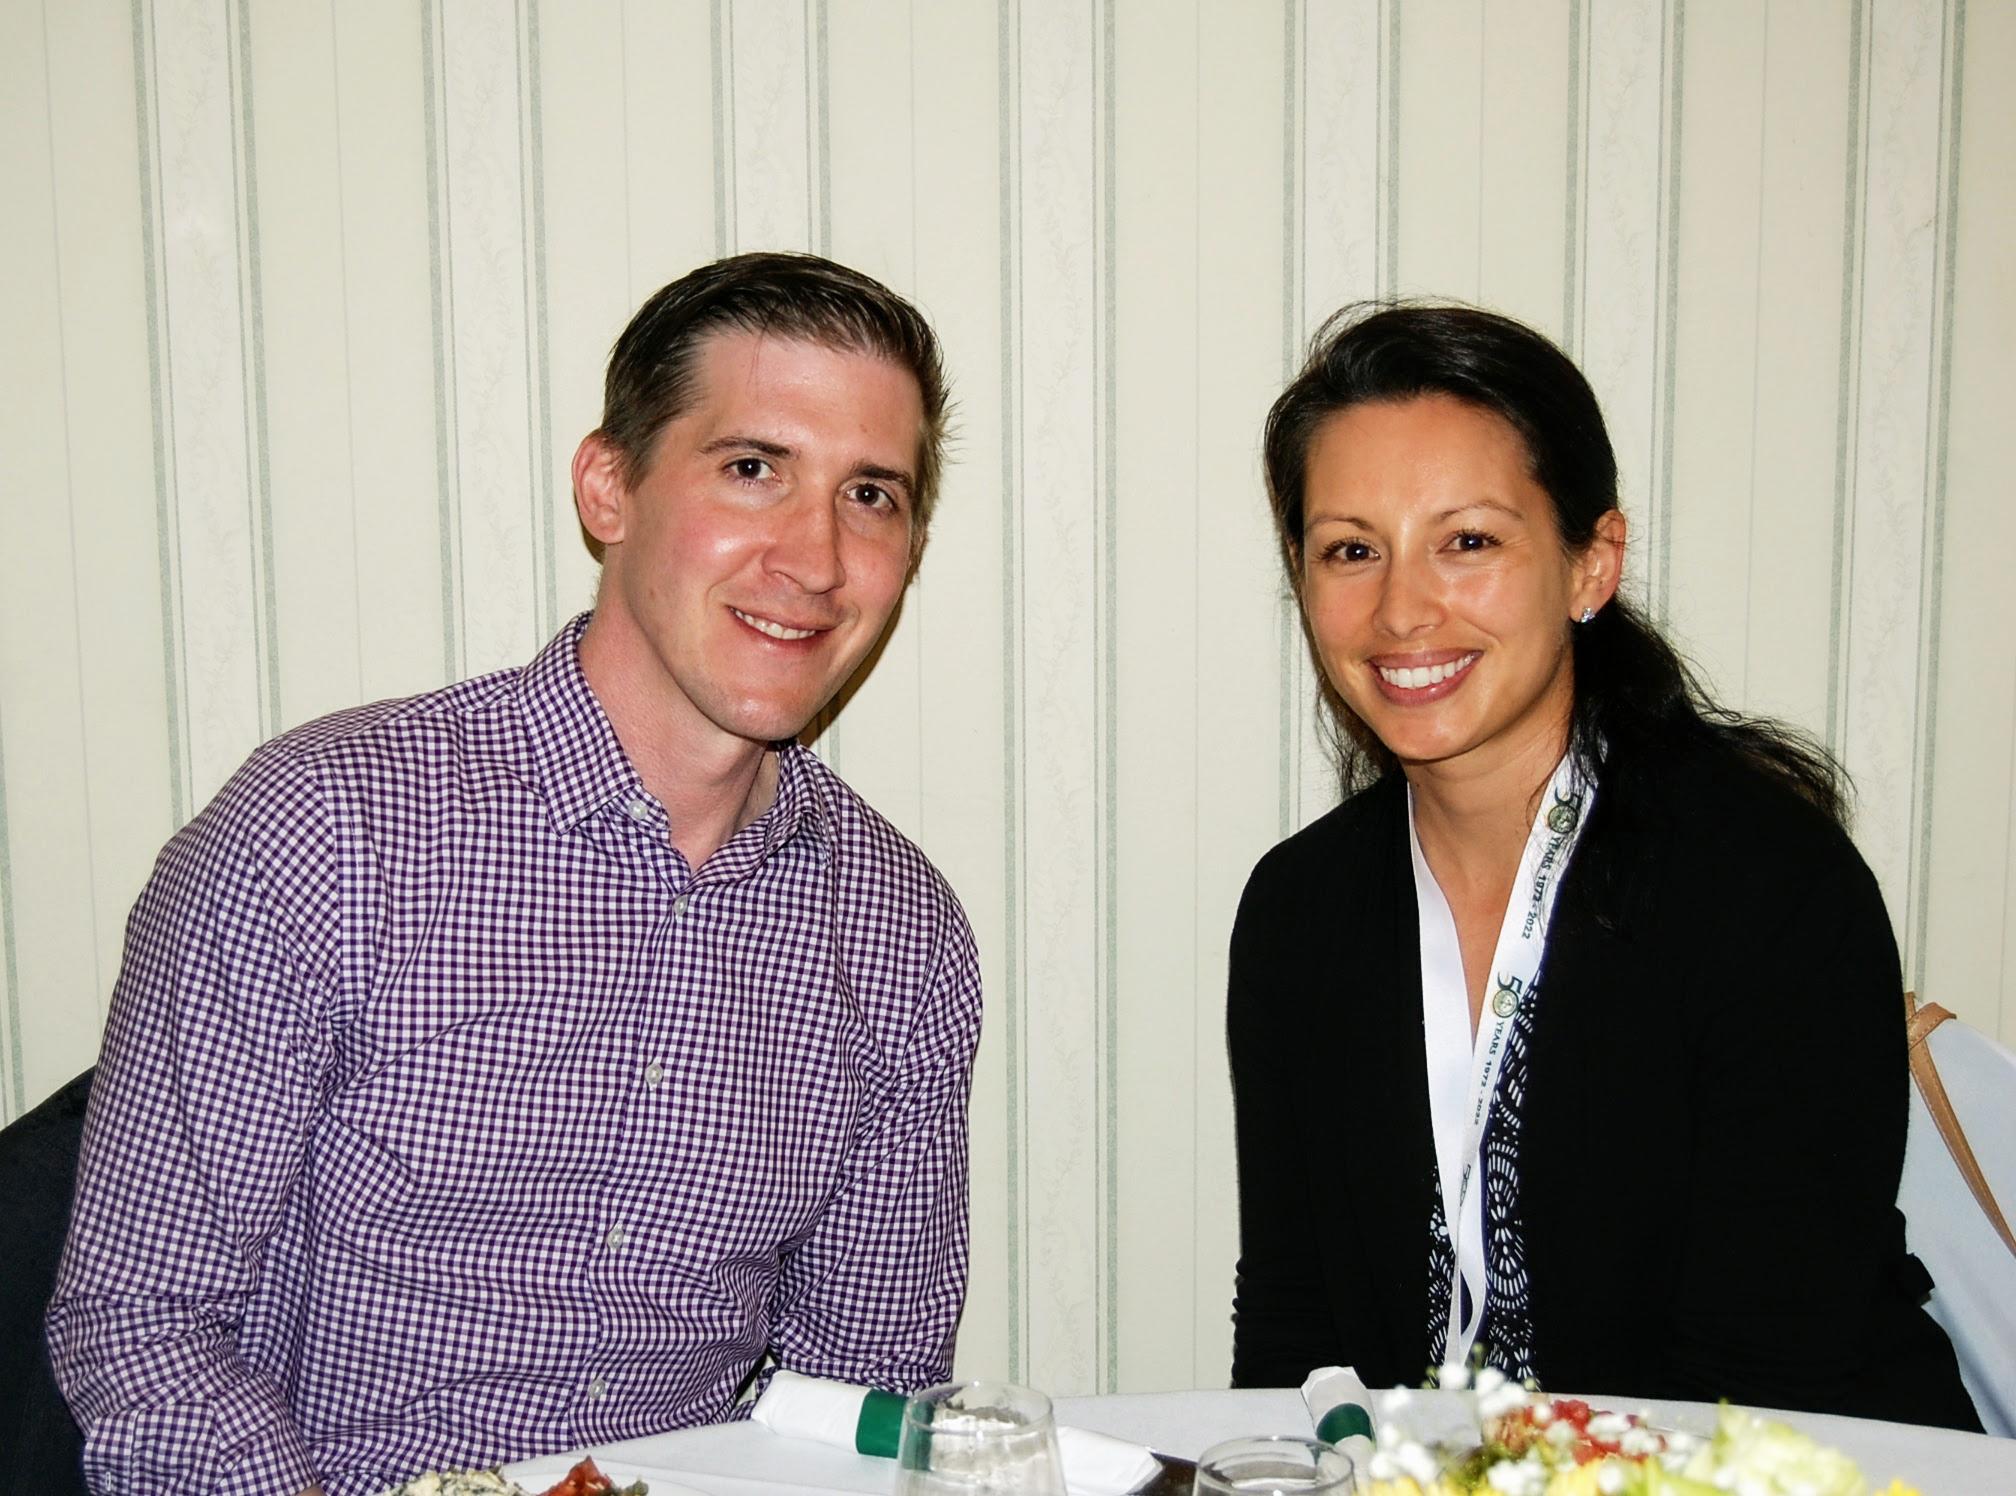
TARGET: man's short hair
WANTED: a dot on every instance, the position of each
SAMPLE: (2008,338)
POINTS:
(654,367)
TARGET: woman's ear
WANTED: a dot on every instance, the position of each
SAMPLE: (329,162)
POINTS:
(1600,566)
(600,495)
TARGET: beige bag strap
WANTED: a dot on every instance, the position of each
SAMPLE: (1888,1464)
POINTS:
(1919,1025)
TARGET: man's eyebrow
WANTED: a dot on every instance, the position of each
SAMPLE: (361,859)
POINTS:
(885,475)
(745,444)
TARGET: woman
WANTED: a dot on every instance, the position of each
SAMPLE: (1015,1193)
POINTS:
(1573,1037)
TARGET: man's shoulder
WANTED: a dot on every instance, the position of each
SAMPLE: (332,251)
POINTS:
(901,934)
(360,755)
(458,718)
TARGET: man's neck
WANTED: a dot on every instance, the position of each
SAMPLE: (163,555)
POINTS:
(711,783)
(707,810)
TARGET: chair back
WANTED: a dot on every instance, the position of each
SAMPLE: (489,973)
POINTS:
(40,1448)
(1973,1270)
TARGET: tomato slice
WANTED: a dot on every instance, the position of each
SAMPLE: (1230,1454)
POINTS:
(585,1479)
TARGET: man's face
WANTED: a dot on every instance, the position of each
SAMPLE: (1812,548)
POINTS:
(752,567)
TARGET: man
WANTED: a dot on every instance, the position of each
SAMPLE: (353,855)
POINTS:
(514,1067)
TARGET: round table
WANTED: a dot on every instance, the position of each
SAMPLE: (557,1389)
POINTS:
(745,1459)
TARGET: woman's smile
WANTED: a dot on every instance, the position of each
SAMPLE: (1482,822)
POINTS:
(1426,679)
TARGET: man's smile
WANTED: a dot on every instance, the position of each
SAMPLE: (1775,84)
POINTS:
(770,628)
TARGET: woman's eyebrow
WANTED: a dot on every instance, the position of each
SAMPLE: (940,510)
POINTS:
(1493,504)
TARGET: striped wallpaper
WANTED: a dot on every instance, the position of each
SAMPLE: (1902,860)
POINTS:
(303,308)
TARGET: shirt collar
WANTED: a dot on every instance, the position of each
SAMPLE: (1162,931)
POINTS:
(801,802)
(581,768)
(579,765)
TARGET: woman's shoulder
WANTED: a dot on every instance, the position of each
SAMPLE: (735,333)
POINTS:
(1709,805)
(1363,826)
(1354,853)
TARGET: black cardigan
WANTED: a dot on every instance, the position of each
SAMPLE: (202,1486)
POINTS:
(1714,1126)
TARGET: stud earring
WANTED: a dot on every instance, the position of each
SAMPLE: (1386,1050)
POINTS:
(1587,615)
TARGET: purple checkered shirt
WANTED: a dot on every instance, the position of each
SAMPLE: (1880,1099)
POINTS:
(446,1117)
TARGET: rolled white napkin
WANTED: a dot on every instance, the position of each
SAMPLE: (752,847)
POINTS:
(870,1422)
(837,1413)
(1101,1465)
(1341,1408)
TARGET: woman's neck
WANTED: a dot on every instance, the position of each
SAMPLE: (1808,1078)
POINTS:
(1473,822)
(1474,818)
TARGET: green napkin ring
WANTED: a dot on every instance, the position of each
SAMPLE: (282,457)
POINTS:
(880,1427)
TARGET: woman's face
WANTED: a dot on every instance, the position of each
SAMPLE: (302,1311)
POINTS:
(1436,586)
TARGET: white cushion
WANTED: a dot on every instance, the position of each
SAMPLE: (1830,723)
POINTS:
(1974,1274)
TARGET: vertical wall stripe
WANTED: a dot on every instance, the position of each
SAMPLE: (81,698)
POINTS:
(444,460)
(1014,1017)
(1202,1186)
(1954,66)
(14,1088)
(815,120)
(1571,234)
(1389,127)
(252,319)
(1847,383)
(17,1082)
(1754,627)
(1292,18)
(1674,65)
(173,667)
(538,354)
(1286,665)
(1109,769)
(825,136)
(345,316)
(717,34)
(77,550)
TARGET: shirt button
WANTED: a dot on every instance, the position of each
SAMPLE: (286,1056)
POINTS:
(596,1388)
(639,810)
(653,1073)
(614,1238)
(679,906)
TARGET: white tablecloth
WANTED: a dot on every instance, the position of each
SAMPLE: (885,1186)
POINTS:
(745,1459)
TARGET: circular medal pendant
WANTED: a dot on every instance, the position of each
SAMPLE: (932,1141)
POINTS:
(1562,817)
(1505,1002)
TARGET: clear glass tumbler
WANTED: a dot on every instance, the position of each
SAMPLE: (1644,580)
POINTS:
(978,1439)
(1275,1465)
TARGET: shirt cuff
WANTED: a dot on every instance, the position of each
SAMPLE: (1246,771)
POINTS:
(262,1451)
(278,1465)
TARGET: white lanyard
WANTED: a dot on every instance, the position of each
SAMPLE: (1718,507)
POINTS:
(1462,1071)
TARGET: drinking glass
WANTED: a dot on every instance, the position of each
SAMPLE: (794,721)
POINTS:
(1276,1465)
(978,1439)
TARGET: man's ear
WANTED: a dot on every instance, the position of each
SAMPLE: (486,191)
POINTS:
(600,496)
